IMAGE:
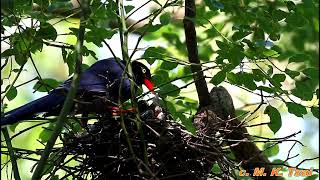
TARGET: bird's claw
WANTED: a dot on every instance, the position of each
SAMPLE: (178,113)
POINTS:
(117,111)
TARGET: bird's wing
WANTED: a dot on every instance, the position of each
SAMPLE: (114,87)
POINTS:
(89,81)
(103,76)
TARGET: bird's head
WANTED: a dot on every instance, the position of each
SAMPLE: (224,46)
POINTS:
(142,75)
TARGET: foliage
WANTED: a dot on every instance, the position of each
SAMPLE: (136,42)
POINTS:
(244,49)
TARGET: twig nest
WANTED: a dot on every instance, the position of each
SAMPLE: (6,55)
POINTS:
(150,148)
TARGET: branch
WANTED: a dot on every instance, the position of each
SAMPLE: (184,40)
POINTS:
(12,155)
(191,40)
(123,32)
(245,150)
(69,99)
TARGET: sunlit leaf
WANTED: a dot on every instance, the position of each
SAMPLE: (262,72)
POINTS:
(271,149)
(46,85)
(12,93)
(218,78)
(296,109)
(47,31)
(275,118)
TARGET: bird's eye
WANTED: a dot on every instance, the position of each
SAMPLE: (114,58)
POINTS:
(144,70)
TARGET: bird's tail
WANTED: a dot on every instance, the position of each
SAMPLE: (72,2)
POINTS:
(30,110)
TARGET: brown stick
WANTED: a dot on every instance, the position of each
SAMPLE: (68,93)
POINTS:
(191,40)
(245,152)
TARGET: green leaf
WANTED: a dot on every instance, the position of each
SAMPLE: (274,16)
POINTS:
(270,70)
(235,55)
(290,5)
(84,66)
(315,111)
(13,127)
(216,168)
(153,53)
(128,8)
(64,54)
(205,52)
(187,122)
(277,79)
(7,53)
(258,75)
(12,93)
(233,78)
(304,89)
(275,118)
(299,58)
(160,77)
(270,151)
(279,161)
(292,73)
(296,109)
(61,6)
(218,78)
(7,5)
(270,53)
(279,15)
(97,35)
(266,89)
(296,20)
(71,62)
(312,177)
(274,36)
(240,113)
(222,45)
(74,31)
(45,134)
(149,28)
(47,31)
(180,72)
(240,35)
(168,65)
(165,18)
(247,80)
(174,39)
(258,34)
(46,84)
(311,73)
(169,90)
(55,177)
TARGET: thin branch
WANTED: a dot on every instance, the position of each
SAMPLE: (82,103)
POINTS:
(12,155)
(137,9)
(69,99)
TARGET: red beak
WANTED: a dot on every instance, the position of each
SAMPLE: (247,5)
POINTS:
(149,85)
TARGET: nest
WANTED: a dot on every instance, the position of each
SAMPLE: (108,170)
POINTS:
(151,146)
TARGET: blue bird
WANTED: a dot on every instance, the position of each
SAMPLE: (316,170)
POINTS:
(99,88)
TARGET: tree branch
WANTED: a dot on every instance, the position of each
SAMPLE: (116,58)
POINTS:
(191,40)
(12,155)
(247,153)
(69,99)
